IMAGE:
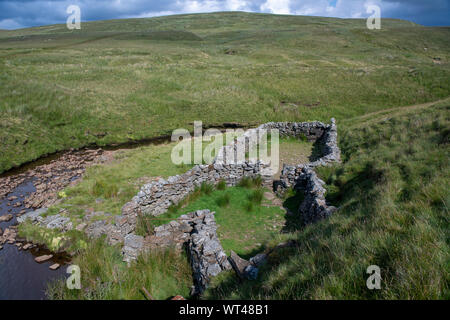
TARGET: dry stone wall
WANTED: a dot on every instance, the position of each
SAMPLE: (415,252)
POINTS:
(156,197)
(197,231)
(206,253)
(314,206)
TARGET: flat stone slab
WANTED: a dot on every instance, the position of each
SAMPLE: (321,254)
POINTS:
(32,215)
(54,266)
(6,217)
(43,258)
(239,265)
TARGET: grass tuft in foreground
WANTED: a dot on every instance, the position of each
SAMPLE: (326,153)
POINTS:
(163,274)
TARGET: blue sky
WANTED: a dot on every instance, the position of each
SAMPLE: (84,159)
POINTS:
(26,13)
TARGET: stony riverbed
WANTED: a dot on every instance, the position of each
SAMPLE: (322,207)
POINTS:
(26,268)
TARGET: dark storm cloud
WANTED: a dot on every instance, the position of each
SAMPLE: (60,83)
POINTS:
(426,12)
(25,13)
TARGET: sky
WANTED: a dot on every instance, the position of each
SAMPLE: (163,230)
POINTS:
(16,14)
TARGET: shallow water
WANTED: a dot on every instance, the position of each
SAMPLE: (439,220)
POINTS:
(20,276)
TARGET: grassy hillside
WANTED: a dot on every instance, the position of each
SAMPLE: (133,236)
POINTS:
(121,80)
(393,192)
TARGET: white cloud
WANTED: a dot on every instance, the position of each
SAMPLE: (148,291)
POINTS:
(149,14)
(276,6)
(21,13)
(192,6)
(10,24)
(237,5)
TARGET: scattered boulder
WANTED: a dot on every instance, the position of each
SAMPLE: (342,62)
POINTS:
(58,222)
(243,268)
(32,216)
(96,229)
(251,272)
(6,217)
(43,258)
(238,264)
(9,235)
(81,226)
(54,266)
(259,259)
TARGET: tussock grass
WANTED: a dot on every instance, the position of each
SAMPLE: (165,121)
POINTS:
(249,183)
(206,188)
(224,200)
(104,276)
(113,82)
(256,196)
(221,185)
(240,228)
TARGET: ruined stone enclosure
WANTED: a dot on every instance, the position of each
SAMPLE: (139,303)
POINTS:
(197,231)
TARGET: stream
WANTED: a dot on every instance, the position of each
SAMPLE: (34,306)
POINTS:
(20,276)
(35,185)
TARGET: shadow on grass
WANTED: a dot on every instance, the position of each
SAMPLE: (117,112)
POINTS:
(284,275)
(317,150)
(293,219)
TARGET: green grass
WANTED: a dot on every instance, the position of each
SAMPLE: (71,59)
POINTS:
(249,183)
(224,201)
(108,187)
(393,192)
(256,196)
(163,274)
(246,224)
(242,229)
(120,80)
(168,273)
